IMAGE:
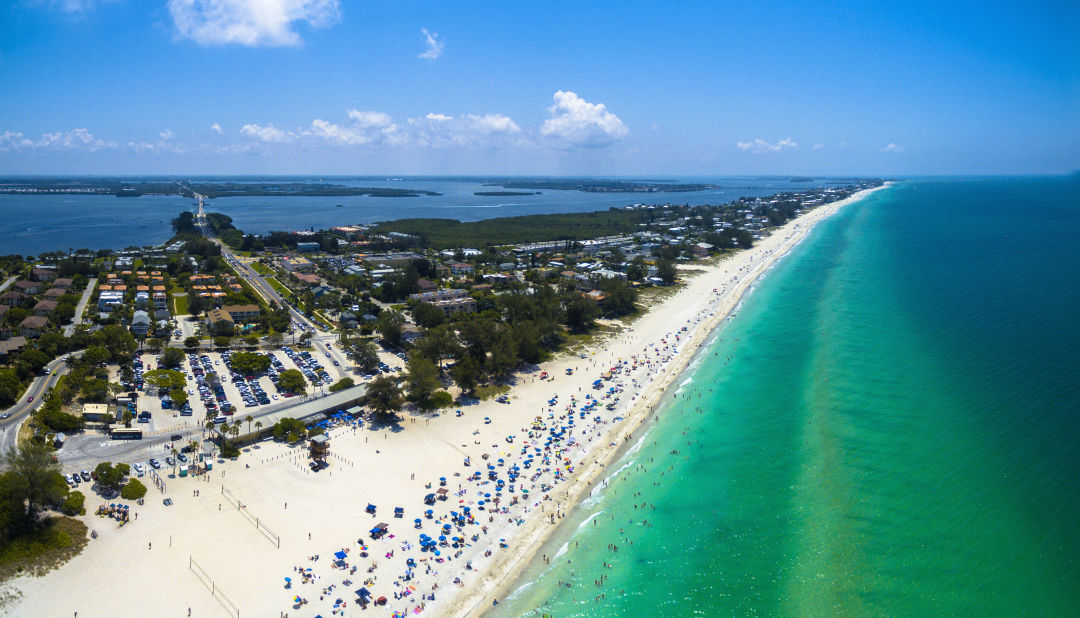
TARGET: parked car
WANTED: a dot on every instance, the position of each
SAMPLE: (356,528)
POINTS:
(155,463)
(85,476)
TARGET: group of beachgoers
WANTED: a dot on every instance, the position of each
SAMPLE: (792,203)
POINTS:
(516,477)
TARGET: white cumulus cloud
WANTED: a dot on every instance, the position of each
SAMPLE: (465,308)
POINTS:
(166,134)
(819,146)
(759,145)
(575,121)
(372,120)
(266,133)
(249,22)
(440,130)
(893,148)
(216,128)
(434,45)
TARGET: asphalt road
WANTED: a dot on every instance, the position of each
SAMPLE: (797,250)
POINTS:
(9,427)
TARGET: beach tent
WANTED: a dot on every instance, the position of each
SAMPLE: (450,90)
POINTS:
(429,499)
(370,509)
(442,493)
(340,555)
(363,593)
(399,512)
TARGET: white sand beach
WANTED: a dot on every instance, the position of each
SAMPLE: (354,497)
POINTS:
(206,556)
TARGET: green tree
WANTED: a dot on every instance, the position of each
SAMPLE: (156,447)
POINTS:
(421,379)
(191,342)
(109,476)
(665,269)
(384,396)
(165,379)
(427,315)
(289,430)
(364,354)
(10,387)
(133,490)
(580,313)
(292,381)
(30,482)
(73,503)
(389,325)
(466,373)
(250,363)
(342,384)
(172,358)
(155,345)
(179,397)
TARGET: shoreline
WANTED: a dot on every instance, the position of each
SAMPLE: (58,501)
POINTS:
(514,565)
(396,465)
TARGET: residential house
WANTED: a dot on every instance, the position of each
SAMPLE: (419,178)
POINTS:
(109,300)
(45,307)
(140,323)
(11,298)
(43,274)
(426,285)
(32,326)
(54,293)
(28,287)
(161,301)
(461,268)
(11,345)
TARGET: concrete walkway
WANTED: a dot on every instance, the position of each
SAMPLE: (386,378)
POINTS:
(80,308)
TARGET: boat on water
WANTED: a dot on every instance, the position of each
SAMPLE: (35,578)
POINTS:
(339,205)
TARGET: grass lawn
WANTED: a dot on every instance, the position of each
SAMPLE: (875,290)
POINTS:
(281,289)
(180,305)
(260,268)
(60,539)
(487,392)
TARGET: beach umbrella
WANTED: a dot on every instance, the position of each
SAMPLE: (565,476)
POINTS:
(442,537)
(446,526)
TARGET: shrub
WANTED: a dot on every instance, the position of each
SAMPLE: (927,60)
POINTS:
(441,399)
(133,490)
(73,503)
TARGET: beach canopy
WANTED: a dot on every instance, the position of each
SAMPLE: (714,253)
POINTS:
(340,555)
(363,593)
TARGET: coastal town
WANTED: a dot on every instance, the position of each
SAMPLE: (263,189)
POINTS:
(449,400)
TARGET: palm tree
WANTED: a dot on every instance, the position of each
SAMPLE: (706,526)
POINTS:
(258,425)
(174,454)
(249,419)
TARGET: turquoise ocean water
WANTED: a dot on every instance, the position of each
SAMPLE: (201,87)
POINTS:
(887,428)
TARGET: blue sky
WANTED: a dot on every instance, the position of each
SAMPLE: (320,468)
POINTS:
(620,88)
